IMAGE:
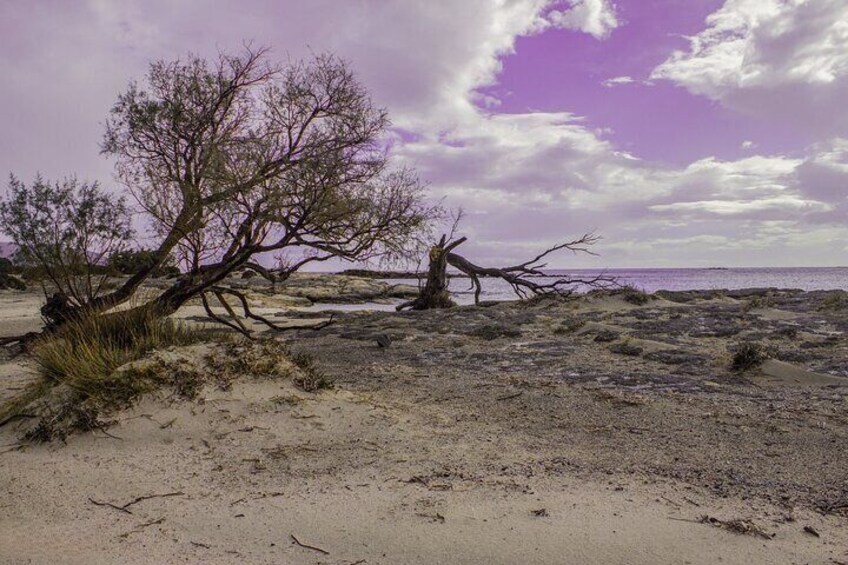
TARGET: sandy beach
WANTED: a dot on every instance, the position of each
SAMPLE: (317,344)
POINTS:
(585,431)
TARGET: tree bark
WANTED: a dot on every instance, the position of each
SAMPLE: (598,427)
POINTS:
(435,293)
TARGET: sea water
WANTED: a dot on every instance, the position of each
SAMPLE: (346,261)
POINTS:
(651,280)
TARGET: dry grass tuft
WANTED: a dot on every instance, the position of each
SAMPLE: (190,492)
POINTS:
(80,364)
(747,356)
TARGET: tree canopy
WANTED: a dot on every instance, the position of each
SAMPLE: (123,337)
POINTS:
(235,157)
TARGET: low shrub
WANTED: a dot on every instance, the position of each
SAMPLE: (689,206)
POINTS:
(569,325)
(494,331)
(747,356)
(836,300)
(633,295)
(272,359)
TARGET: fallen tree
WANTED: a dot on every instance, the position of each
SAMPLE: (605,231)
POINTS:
(234,159)
(435,294)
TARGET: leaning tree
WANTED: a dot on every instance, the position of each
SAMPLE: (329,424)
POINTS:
(235,158)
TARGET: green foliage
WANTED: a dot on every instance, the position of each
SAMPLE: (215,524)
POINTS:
(65,231)
(132,261)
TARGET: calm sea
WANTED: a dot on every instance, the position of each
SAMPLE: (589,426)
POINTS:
(651,280)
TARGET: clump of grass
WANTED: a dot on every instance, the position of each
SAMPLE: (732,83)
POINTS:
(569,325)
(836,300)
(635,296)
(747,356)
(269,358)
(310,378)
(85,352)
(79,363)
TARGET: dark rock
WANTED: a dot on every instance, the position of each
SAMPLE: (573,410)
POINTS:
(383,340)
(716,329)
(494,331)
(675,357)
(626,349)
(606,336)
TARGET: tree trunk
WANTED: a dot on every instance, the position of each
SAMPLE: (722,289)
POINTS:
(435,292)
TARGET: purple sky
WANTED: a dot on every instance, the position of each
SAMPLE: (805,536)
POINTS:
(686,132)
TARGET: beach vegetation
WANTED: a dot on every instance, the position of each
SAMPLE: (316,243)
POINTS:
(64,232)
(748,355)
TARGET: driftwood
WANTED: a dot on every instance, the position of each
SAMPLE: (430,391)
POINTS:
(434,293)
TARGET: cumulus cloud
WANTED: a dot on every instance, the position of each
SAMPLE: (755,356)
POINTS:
(782,59)
(595,17)
(63,63)
(532,179)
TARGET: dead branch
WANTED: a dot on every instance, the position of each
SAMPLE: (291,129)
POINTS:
(124,508)
(307,546)
(519,277)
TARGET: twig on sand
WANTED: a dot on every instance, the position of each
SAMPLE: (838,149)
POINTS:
(124,507)
(198,544)
(149,496)
(141,527)
(738,526)
(107,434)
(510,396)
(307,546)
(812,531)
(109,504)
(17,447)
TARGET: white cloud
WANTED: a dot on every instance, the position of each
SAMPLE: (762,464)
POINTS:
(524,179)
(618,81)
(595,17)
(783,59)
